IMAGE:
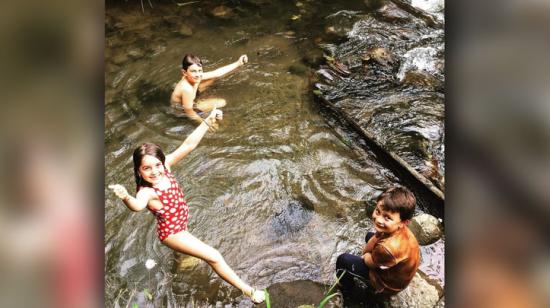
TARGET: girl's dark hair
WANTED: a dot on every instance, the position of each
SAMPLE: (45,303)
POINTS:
(398,199)
(145,149)
(189,60)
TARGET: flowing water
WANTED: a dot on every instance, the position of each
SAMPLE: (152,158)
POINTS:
(280,189)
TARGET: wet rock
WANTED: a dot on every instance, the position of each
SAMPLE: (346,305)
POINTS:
(300,293)
(426,228)
(292,218)
(420,78)
(145,34)
(187,262)
(298,69)
(135,53)
(419,293)
(185,30)
(120,58)
(338,25)
(431,170)
(335,33)
(339,67)
(379,55)
(375,4)
(313,57)
(392,13)
(222,12)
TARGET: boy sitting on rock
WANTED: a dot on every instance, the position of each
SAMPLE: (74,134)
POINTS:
(391,255)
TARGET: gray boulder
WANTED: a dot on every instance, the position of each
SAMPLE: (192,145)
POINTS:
(426,228)
(418,294)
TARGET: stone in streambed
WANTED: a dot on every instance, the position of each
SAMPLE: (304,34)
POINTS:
(419,293)
(185,30)
(426,228)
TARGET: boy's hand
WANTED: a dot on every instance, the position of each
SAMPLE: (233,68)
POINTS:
(243,60)
(211,120)
(120,191)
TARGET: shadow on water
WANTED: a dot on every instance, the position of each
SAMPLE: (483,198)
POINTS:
(280,190)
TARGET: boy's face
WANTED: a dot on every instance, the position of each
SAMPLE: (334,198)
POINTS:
(386,221)
(193,74)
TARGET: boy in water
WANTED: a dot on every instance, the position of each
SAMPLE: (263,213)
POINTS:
(391,255)
(193,80)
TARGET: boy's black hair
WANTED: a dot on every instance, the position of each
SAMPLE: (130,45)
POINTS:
(189,60)
(145,149)
(398,199)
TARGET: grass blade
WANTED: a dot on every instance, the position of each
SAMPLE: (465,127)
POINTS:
(267,299)
(326,299)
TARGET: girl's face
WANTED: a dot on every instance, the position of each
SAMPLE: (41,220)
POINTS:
(193,74)
(151,169)
(386,221)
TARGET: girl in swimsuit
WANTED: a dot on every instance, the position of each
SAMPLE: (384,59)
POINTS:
(158,191)
(194,80)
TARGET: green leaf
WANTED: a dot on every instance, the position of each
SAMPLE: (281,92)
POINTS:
(267,299)
(135,306)
(148,294)
(317,92)
(326,299)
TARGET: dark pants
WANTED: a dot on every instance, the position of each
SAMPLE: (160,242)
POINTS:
(352,265)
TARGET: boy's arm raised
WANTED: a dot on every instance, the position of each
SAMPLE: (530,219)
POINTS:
(222,71)
(191,142)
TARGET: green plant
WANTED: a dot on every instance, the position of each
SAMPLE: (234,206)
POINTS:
(328,295)
(267,299)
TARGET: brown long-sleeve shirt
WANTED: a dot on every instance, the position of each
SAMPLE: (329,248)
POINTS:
(397,258)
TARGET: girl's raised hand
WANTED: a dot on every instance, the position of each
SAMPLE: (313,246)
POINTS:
(243,60)
(120,191)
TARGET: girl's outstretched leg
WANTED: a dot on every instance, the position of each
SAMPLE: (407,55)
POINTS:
(186,243)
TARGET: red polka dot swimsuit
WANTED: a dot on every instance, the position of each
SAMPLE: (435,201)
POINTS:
(172,217)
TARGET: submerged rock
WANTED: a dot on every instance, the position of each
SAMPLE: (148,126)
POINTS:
(120,58)
(298,69)
(187,262)
(426,228)
(222,12)
(291,219)
(185,30)
(135,53)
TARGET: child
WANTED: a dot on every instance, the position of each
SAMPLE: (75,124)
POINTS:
(185,92)
(392,255)
(158,191)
